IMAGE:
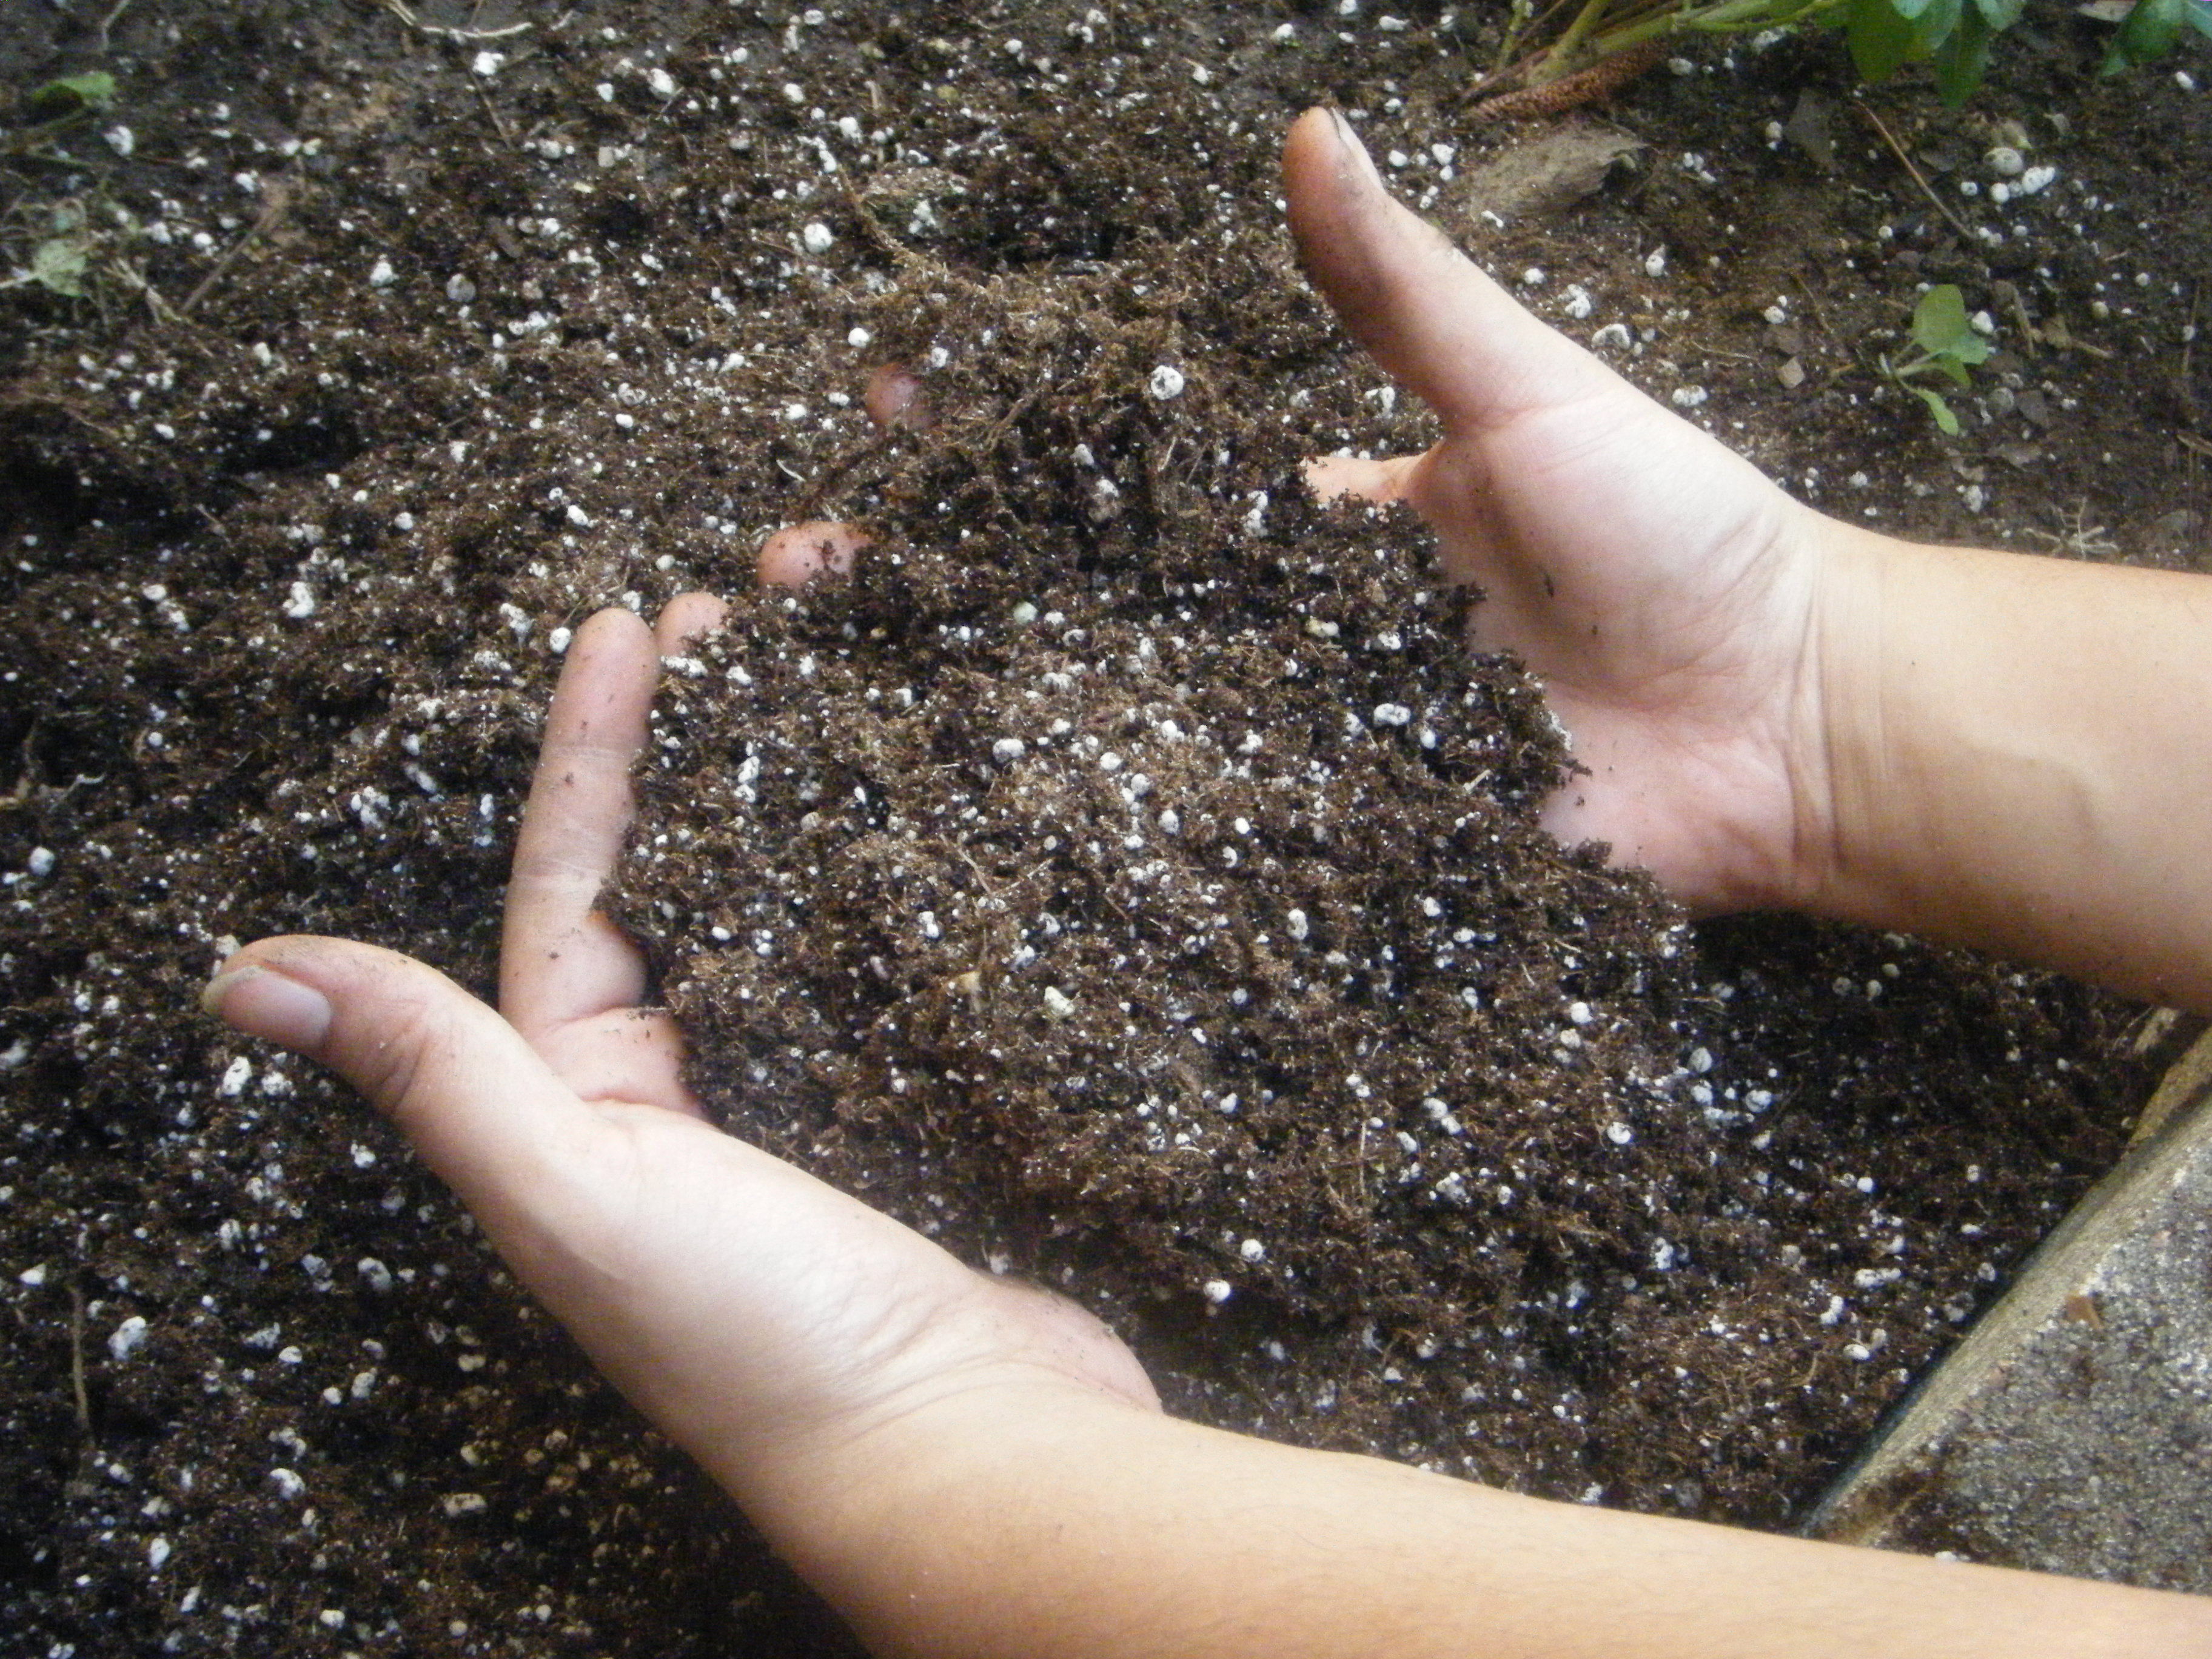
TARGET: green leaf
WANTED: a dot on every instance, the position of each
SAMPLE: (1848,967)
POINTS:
(1936,25)
(1940,409)
(1884,33)
(94,90)
(2200,17)
(1939,327)
(2148,32)
(58,264)
(2000,14)
(1960,60)
(1974,350)
(1880,39)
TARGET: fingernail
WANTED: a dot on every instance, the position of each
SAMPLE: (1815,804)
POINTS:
(1354,148)
(267,1004)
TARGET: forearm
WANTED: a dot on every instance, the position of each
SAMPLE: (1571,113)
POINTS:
(2020,758)
(1067,1526)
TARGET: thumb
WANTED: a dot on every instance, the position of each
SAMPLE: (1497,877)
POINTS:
(483,1110)
(1435,324)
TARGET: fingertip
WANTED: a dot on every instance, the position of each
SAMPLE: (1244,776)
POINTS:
(687,619)
(1314,140)
(1422,308)
(894,398)
(1325,170)
(801,553)
(612,622)
(606,682)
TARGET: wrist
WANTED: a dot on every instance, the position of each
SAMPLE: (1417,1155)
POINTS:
(2011,750)
(1003,1359)
(1843,743)
(937,1504)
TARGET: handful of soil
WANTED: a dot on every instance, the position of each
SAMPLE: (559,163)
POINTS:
(1128,876)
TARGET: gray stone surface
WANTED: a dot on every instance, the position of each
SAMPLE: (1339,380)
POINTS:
(2071,1430)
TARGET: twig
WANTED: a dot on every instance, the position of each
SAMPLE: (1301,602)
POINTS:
(76,1361)
(405,13)
(108,21)
(498,125)
(280,198)
(1898,150)
(2188,441)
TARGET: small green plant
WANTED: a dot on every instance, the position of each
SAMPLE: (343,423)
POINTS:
(1952,37)
(2151,29)
(50,110)
(71,95)
(61,258)
(58,264)
(1949,346)
(62,249)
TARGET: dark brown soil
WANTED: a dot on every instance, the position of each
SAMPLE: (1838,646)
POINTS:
(424,363)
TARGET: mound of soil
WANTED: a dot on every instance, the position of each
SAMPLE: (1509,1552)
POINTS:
(1283,1036)
(1128,878)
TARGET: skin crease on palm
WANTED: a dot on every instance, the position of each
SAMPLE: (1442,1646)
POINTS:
(819,1358)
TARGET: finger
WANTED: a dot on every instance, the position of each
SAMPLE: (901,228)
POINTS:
(485,1112)
(795,554)
(1434,322)
(685,620)
(1331,477)
(624,1053)
(560,960)
(893,397)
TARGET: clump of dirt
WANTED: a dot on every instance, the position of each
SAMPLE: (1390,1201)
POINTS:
(402,351)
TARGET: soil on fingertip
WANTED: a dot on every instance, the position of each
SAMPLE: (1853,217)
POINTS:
(1124,876)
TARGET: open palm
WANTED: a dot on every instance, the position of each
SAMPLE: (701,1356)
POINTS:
(761,1318)
(1663,589)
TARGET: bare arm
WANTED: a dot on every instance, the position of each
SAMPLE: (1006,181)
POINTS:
(1776,709)
(2020,756)
(1061,1527)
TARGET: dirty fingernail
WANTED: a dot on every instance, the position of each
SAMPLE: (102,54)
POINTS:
(1350,139)
(267,1004)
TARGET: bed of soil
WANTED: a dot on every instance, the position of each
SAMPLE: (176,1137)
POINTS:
(1126,876)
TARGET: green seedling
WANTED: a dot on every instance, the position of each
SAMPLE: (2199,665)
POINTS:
(72,94)
(71,253)
(60,259)
(57,264)
(2151,29)
(1949,346)
(1952,37)
(52,110)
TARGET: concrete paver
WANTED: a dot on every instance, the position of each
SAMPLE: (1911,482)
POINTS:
(2071,1430)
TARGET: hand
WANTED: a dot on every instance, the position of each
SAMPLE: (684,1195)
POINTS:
(1669,596)
(767,1322)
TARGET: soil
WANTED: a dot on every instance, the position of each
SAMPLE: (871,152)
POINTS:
(1124,876)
